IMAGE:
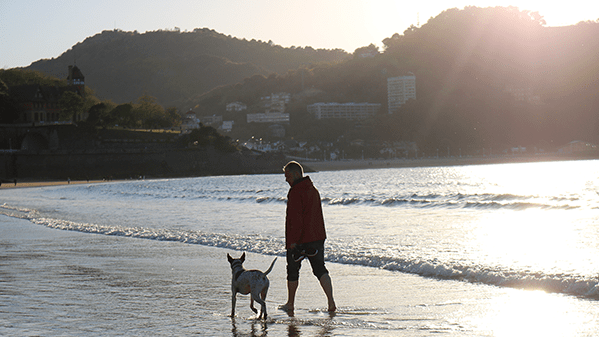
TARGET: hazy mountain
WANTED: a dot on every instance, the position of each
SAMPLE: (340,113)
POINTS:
(486,78)
(174,66)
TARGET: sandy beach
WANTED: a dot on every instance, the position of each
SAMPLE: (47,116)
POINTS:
(42,183)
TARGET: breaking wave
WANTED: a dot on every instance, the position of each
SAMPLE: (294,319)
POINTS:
(569,284)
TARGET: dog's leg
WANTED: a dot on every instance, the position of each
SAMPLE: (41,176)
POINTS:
(263,297)
(265,290)
(256,297)
(252,304)
(233,300)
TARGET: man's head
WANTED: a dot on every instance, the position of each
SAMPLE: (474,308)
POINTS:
(293,172)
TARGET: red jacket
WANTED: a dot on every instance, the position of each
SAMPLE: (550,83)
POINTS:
(304,221)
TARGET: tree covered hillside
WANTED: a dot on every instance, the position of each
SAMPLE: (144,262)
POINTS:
(174,66)
(491,78)
(486,78)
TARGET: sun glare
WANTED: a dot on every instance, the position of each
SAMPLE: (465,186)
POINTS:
(533,240)
(552,224)
(533,313)
(552,180)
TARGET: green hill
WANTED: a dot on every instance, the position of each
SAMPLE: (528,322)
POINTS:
(174,66)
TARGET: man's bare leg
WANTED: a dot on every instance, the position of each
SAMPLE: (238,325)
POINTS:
(291,290)
(325,283)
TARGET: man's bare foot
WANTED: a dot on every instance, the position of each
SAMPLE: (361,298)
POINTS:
(332,307)
(286,307)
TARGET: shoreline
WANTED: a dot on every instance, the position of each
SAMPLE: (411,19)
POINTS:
(6,185)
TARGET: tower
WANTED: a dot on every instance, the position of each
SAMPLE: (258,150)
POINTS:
(75,78)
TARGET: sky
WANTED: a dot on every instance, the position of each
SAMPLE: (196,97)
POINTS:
(31,30)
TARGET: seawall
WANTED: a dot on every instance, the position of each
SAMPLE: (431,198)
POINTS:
(123,164)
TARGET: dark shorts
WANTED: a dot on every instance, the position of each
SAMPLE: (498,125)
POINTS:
(317,262)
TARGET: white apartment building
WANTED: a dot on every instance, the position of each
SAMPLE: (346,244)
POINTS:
(275,102)
(344,110)
(399,90)
(270,117)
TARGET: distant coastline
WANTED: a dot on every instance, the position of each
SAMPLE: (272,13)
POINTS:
(337,165)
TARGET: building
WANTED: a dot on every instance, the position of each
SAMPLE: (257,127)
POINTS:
(578,146)
(399,90)
(261,146)
(268,117)
(76,80)
(348,111)
(523,93)
(190,121)
(236,106)
(275,102)
(274,109)
(211,120)
(278,98)
(227,126)
(40,104)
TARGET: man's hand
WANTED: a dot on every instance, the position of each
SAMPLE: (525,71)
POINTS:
(296,254)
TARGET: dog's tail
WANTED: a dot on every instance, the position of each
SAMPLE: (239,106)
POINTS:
(271,265)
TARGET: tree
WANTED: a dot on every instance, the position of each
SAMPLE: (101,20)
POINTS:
(208,136)
(122,115)
(173,116)
(149,114)
(9,111)
(17,76)
(368,50)
(71,105)
(99,115)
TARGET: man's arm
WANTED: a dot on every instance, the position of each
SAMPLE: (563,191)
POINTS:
(295,223)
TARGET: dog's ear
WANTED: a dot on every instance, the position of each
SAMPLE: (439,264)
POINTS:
(242,258)
(229,258)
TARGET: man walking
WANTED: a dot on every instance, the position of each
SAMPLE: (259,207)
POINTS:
(304,234)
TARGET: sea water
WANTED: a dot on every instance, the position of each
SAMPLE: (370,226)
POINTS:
(532,226)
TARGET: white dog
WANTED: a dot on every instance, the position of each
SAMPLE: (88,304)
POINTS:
(249,281)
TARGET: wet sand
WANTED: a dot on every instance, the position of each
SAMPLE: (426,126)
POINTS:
(42,183)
